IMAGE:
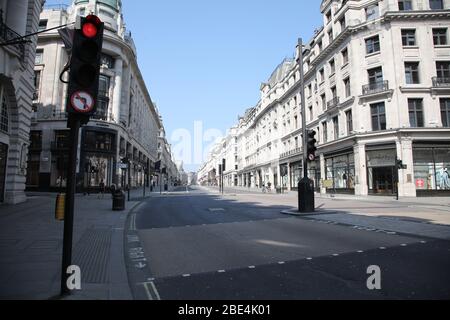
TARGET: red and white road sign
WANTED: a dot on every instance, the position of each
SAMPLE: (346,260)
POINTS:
(82,102)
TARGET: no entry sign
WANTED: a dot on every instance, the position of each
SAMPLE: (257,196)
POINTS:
(82,102)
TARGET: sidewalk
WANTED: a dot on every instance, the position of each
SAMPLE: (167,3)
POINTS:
(31,248)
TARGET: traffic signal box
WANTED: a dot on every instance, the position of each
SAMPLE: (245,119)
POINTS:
(85,68)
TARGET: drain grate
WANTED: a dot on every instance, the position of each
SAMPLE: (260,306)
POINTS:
(91,254)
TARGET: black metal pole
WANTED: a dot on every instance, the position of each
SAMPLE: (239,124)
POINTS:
(74,124)
(129,179)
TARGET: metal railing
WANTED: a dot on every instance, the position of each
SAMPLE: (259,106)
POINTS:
(293,152)
(441,82)
(9,37)
(333,103)
(49,113)
(375,87)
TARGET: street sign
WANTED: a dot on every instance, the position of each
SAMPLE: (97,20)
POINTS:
(122,166)
(328,184)
(82,102)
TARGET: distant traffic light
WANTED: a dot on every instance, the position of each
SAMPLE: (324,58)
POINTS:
(311,145)
(85,67)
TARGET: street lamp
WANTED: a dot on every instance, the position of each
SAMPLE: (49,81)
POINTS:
(305,186)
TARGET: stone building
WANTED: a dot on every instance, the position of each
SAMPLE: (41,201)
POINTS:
(17,18)
(127,123)
(377,89)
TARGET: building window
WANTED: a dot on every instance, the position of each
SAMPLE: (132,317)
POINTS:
(336,127)
(332,67)
(103,98)
(324,132)
(412,72)
(409,37)
(415,107)
(348,90)
(440,36)
(107,61)
(324,102)
(436,4)
(39,58)
(443,70)
(344,56)
(375,76)
(310,113)
(373,45)
(349,120)
(343,24)
(4,112)
(378,113)
(372,12)
(405,5)
(37,84)
(330,36)
(322,75)
(445,112)
(42,25)
(328,16)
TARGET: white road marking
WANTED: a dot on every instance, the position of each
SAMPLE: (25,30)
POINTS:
(221,271)
(252,267)
(382,248)
(404,245)
(336,255)
(309,259)
(360,251)
(186,275)
(423,242)
(153,289)
(281,262)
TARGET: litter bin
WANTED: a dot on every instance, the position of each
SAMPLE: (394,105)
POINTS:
(166,187)
(118,200)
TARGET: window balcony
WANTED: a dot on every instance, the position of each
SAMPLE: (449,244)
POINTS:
(333,103)
(440,82)
(375,87)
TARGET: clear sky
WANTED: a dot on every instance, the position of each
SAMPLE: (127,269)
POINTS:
(204,60)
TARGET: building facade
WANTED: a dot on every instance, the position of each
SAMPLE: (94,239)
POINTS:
(17,18)
(377,89)
(119,145)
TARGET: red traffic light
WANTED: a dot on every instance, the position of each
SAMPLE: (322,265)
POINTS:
(90,27)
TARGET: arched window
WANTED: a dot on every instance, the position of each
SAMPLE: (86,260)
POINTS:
(4,115)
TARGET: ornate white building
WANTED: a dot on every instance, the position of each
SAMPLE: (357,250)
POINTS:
(127,123)
(377,89)
(17,18)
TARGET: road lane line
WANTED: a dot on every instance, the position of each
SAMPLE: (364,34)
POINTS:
(155,291)
(147,291)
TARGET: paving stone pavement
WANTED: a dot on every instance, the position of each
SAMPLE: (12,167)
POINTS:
(31,248)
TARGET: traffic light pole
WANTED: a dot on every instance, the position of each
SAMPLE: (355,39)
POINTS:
(305,186)
(74,124)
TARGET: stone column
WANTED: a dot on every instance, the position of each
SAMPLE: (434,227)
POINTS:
(117,95)
(361,186)
(323,173)
(406,185)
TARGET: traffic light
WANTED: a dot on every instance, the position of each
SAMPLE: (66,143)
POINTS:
(85,67)
(311,145)
(400,165)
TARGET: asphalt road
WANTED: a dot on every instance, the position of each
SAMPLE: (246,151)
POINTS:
(191,245)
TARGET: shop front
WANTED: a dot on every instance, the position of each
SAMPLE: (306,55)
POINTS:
(98,163)
(3,159)
(432,169)
(296,170)
(340,170)
(381,171)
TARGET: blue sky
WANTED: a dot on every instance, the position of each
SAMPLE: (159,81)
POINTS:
(204,60)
